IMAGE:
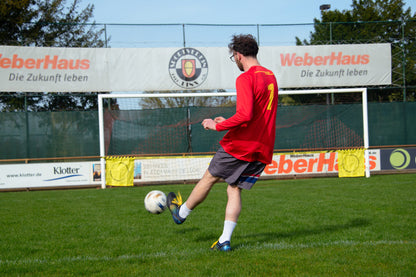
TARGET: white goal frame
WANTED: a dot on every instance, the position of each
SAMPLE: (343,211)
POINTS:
(363,91)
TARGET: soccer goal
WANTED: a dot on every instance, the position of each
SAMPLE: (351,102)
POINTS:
(162,124)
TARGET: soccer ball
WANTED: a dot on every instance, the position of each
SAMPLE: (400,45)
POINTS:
(155,202)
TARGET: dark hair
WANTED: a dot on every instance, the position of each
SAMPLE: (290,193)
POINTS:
(244,44)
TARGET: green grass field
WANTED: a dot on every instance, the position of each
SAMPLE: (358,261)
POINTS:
(307,227)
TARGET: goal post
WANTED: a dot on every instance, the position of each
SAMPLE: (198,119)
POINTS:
(143,95)
(363,92)
(102,108)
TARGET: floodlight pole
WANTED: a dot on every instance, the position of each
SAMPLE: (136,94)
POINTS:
(324,7)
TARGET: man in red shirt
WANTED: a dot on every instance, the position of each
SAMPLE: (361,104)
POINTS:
(248,145)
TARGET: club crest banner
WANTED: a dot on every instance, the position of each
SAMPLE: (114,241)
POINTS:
(119,171)
(351,163)
(52,69)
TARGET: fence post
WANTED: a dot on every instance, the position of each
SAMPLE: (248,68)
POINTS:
(258,34)
(105,35)
(330,32)
(403,60)
(27,127)
(183,35)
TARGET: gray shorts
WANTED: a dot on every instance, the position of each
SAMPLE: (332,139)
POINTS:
(234,171)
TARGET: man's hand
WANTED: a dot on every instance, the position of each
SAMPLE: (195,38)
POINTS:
(219,119)
(209,124)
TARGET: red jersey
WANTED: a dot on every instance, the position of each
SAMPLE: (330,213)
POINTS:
(252,129)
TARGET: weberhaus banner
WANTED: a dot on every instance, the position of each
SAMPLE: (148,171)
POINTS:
(45,69)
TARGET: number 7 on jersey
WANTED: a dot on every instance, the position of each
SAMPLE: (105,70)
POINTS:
(270,88)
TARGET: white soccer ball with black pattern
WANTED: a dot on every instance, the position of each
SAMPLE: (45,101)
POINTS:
(155,202)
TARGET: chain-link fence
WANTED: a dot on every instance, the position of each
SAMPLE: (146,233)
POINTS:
(400,34)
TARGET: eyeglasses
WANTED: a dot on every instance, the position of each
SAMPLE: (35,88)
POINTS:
(232,58)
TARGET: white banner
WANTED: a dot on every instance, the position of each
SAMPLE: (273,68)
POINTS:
(345,65)
(40,69)
(46,175)
(168,169)
(193,168)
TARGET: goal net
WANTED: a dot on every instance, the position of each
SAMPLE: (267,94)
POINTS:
(161,124)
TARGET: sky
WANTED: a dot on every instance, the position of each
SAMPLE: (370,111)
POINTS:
(294,12)
(213,11)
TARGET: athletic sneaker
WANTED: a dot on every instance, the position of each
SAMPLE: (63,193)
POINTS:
(174,202)
(225,246)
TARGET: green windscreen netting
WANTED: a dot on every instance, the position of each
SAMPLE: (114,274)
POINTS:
(179,130)
(48,134)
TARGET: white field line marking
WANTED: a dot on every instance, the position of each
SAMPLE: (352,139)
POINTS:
(284,245)
(278,246)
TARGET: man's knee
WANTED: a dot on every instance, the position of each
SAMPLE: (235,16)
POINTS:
(210,178)
(232,189)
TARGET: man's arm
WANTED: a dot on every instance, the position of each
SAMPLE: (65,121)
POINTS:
(245,104)
(210,124)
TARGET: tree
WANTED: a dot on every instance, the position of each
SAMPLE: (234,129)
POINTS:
(48,23)
(181,102)
(374,21)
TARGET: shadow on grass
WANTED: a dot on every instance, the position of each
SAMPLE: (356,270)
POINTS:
(187,230)
(273,236)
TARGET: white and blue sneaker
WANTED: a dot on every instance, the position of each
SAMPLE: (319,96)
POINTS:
(174,202)
(225,246)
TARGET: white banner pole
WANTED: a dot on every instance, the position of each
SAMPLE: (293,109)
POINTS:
(366,139)
(102,142)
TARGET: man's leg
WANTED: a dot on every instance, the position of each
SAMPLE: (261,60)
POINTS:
(232,212)
(201,190)
(233,209)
